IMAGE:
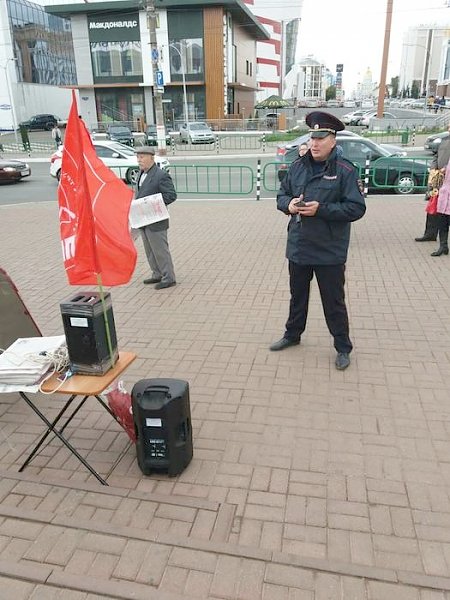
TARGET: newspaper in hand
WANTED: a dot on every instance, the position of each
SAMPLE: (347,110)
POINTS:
(147,210)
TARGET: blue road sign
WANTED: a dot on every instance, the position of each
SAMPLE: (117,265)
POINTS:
(159,78)
(155,54)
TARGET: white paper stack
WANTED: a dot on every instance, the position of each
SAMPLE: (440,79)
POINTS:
(25,362)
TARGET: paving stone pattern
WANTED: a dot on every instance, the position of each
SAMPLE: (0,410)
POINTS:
(306,483)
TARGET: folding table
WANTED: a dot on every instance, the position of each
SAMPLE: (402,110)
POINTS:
(76,386)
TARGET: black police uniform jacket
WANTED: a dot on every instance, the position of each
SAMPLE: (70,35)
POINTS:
(324,238)
(157,181)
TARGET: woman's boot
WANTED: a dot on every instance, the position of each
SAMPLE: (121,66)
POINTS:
(431,229)
(443,244)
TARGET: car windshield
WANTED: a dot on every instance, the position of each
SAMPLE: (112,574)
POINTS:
(199,127)
(122,149)
(151,129)
(119,130)
(356,148)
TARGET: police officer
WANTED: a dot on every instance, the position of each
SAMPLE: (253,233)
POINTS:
(322,195)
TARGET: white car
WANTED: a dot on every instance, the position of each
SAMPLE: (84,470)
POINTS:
(119,158)
(353,118)
(370,116)
(196,133)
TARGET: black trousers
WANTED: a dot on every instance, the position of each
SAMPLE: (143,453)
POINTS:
(331,279)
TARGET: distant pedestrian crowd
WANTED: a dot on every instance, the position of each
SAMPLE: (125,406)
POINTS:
(435,104)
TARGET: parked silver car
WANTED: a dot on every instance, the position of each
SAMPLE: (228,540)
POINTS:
(196,133)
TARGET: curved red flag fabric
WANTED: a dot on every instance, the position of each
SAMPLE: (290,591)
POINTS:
(93,213)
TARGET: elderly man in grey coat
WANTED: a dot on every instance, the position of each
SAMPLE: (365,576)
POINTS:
(153,180)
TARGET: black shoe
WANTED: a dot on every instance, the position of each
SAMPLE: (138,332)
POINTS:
(441,250)
(426,238)
(152,280)
(164,284)
(283,343)
(342,361)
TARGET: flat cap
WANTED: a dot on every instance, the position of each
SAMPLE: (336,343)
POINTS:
(322,124)
(144,150)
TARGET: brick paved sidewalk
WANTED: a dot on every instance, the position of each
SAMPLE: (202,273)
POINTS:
(306,483)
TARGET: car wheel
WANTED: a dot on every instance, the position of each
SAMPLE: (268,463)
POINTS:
(48,126)
(405,184)
(58,174)
(132,175)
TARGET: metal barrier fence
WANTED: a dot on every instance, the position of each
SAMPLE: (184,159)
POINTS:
(34,147)
(403,174)
(213,179)
(406,175)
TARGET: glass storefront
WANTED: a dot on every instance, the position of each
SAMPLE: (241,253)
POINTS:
(42,45)
(185,51)
(116,104)
(116,60)
(173,104)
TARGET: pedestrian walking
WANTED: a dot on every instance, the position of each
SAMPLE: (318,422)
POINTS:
(322,195)
(439,162)
(443,215)
(153,180)
(57,136)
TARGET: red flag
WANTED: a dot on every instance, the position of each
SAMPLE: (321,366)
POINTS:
(93,213)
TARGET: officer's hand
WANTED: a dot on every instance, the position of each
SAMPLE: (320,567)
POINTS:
(292,208)
(309,210)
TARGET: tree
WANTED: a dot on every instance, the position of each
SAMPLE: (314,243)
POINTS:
(330,93)
(394,86)
(415,92)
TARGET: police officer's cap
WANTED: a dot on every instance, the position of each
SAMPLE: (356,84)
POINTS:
(322,124)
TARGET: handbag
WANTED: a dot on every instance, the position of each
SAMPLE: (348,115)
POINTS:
(431,207)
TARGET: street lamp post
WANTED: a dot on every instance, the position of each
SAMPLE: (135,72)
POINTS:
(11,98)
(183,75)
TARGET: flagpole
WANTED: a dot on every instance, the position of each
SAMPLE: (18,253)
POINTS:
(105,316)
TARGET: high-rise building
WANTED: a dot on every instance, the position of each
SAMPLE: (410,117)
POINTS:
(275,56)
(422,57)
(37,60)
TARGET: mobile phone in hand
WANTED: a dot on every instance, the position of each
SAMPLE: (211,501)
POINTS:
(300,203)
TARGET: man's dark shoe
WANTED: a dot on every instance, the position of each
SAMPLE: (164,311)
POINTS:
(164,284)
(151,280)
(283,343)
(342,361)
(425,238)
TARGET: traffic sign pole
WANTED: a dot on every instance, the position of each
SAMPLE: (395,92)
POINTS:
(158,88)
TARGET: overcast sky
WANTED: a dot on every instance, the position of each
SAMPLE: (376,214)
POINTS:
(352,32)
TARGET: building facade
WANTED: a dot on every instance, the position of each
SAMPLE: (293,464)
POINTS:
(422,59)
(276,56)
(210,44)
(37,58)
(307,81)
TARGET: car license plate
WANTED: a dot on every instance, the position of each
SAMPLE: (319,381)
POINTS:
(25,172)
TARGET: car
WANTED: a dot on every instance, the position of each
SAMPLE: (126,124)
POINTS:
(368,119)
(196,133)
(432,142)
(349,104)
(303,139)
(118,157)
(43,121)
(367,103)
(151,139)
(386,169)
(121,134)
(354,117)
(12,171)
